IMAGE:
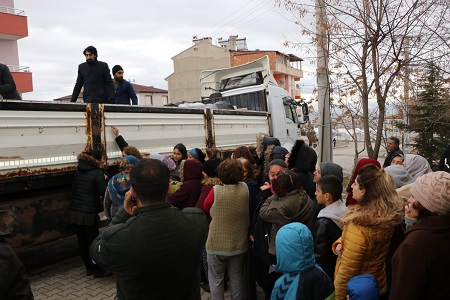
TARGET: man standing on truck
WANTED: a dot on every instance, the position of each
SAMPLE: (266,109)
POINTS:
(124,89)
(95,77)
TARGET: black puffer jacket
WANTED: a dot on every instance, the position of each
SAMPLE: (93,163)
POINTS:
(326,231)
(303,160)
(14,283)
(88,186)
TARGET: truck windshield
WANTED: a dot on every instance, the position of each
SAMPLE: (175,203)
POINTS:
(254,78)
(290,109)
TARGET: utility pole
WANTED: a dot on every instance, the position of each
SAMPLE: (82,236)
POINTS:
(323,86)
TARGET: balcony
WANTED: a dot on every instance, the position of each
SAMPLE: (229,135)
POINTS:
(13,24)
(286,69)
(23,78)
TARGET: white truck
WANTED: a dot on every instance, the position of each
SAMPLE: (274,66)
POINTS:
(41,140)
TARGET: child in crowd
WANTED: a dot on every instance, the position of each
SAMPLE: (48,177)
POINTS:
(363,287)
(287,204)
(328,227)
(302,278)
(189,192)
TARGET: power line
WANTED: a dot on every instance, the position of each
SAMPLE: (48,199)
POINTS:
(204,31)
(241,17)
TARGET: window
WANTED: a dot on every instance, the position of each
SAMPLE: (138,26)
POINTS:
(165,100)
(241,81)
(289,109)
(148,100)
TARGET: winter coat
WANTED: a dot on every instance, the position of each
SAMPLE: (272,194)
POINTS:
(125,92)
(155,254)
(88,186)
(303,161)
(208,184)
(7,84)
(364,252)
(327,229)
(14,284)
(421,264)
(294,207)
(189,192)
(110,207)
(302,278)
(253,202)
(96,80)
(260,230)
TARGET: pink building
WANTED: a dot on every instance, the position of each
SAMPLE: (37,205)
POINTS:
(14,26)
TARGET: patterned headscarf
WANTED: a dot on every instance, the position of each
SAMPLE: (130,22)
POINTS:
(120,183)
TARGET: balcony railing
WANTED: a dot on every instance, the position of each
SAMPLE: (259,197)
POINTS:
(12,11)
(18,68)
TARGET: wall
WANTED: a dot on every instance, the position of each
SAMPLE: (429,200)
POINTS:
(183,84)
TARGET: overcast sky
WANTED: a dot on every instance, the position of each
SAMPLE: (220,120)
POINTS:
(142,36)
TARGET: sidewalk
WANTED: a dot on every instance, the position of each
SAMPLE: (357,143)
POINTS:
(67,280)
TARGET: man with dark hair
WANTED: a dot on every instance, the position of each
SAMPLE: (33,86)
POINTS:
(393,150)
(154,248)
(95,77)
(7,84)
(123,89)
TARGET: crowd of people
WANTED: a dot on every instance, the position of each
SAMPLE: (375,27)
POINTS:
(273,217)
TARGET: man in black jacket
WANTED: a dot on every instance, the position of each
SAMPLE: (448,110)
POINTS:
(94,75)
(154,248)
(7,84)
(393,151)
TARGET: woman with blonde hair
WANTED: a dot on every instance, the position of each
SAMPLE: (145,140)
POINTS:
(368,229)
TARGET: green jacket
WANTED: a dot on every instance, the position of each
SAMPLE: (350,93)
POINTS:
(296,206)
(156,254)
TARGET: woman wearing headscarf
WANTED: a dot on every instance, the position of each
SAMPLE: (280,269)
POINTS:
(416,165)
(196,154)
(118,185)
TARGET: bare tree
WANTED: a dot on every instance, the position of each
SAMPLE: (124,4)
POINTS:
(367,40)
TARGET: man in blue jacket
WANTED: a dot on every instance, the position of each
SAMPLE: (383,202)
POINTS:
(124,89)
(95,77)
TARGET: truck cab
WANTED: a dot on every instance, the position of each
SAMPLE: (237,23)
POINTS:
(251,86)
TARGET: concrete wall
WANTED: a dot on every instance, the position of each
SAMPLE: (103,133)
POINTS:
(183,84)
